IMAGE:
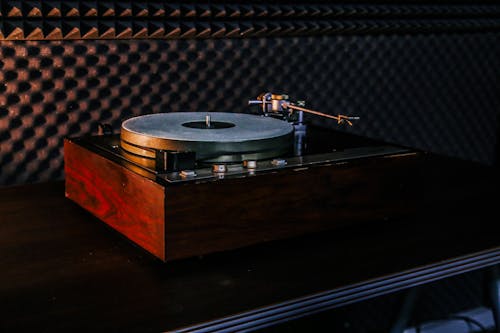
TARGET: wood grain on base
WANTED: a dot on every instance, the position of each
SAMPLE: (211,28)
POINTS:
(130,203)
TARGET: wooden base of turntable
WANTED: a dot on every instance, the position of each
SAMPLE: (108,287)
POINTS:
(193,219)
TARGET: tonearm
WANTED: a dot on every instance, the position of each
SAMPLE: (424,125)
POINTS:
(280,105)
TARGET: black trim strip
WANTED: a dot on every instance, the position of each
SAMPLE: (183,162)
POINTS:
(305,306)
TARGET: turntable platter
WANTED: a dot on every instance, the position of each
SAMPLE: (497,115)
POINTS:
(214,136)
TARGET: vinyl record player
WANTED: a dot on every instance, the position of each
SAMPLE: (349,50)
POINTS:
(191,183)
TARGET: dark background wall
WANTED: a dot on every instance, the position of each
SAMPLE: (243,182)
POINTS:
(419,74)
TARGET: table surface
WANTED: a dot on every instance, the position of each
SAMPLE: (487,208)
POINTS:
(63,269)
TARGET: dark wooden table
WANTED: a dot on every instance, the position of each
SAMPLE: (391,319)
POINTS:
(61,269)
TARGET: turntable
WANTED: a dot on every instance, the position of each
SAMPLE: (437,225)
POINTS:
(186,184)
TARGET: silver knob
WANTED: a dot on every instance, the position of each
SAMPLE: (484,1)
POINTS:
(219,168)
(250,164)
(278,162)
